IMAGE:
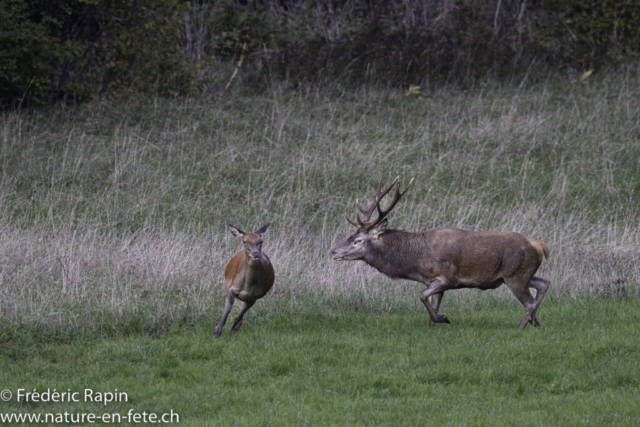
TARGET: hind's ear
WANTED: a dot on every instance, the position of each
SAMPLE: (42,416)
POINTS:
(263,229)
(236,232)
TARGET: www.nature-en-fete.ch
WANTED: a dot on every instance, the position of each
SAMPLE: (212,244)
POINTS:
(87,395)
(84,417)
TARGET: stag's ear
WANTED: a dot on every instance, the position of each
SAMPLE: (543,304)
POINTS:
(379,229)
(236,232)
(263,229)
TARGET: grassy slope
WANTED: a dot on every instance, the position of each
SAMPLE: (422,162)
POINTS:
(114,216)
(113,241)
(341,367)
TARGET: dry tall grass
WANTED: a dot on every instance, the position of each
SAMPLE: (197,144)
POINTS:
(114,216)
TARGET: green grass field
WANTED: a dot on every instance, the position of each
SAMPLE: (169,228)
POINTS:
(114,239)
(325,366)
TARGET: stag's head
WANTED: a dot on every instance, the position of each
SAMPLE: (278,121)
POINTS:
(252,241)
(357,245)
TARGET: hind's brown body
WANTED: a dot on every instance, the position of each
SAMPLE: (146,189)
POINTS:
(249,279)
(248,276)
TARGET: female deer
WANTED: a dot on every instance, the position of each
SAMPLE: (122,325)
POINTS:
(248,276)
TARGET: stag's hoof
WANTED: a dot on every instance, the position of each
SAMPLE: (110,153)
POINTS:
(217,332)
(442,319)
(534,321)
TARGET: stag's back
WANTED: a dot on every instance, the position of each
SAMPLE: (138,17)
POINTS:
(472,258)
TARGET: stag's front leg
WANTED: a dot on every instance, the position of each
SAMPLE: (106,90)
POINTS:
(237,322)
(438,286)
(435,303)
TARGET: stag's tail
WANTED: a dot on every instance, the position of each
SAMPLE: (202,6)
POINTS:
(542,248)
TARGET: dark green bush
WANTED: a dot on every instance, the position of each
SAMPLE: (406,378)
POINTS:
(404,41)
(26,53)
(588,33)
(78,49)
(81,48)
(126,45)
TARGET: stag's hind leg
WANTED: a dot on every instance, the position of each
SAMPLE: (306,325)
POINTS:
(520,289)
(540,285)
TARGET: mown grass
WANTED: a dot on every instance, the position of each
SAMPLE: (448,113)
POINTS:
(323,366)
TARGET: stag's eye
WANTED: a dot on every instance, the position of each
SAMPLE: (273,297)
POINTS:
(357,242)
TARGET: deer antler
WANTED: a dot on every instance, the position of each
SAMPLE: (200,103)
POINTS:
(366,224)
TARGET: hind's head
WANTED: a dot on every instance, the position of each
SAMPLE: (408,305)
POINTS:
(252,241)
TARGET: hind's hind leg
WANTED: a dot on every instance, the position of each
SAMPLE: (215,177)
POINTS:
(540,285)
(237,322)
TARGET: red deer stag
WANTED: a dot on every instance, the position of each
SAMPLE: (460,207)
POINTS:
(248,276)
(447,258)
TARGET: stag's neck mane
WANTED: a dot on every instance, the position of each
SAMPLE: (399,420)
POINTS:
(397,254)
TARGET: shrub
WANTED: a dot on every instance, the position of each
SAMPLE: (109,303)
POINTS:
(81,48)
(78,49)
(589,33)
(405,41)
(26,53)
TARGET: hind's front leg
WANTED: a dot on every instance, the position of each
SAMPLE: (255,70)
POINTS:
(229,303)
